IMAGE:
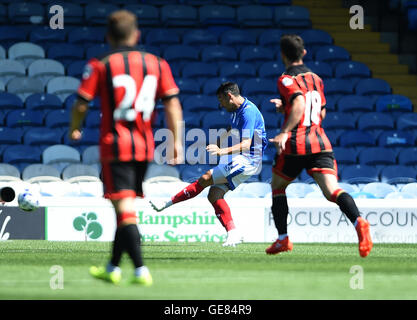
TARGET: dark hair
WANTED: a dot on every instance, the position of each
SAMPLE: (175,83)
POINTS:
(292,46)
(120,25)
(228,86)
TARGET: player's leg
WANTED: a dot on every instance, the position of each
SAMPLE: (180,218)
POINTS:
(324,171)
(187,193)
(285,169)
(223,213)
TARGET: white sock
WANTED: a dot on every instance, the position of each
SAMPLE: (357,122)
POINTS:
(282,236)
(141,271)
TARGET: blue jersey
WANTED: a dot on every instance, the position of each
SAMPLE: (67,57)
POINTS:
(249,121)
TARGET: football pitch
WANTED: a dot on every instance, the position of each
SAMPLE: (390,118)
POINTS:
(207,271)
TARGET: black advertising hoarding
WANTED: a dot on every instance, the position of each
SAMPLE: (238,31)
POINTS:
(16,224)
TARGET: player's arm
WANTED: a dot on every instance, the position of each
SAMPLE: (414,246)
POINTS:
(174,120)
(79,111)
(241,147)
(295,115)
(323,113)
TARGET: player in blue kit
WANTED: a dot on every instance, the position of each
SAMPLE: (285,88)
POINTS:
(243,160)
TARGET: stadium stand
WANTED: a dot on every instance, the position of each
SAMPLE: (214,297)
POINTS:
(206,43)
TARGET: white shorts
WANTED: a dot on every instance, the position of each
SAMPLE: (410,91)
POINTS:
(237,171)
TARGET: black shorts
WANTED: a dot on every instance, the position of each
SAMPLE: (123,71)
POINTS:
(123,179)
(290,166)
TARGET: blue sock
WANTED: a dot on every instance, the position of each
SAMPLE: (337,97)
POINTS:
(355,223)
(282,236)
(111,268)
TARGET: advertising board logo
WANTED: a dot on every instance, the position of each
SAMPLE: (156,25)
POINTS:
(88,223)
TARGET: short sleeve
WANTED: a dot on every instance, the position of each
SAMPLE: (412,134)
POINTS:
(89,82)
(167,85)
(288,89)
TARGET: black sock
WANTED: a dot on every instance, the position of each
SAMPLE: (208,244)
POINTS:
(131,243)
(117,250)
(280,213)
(348,206)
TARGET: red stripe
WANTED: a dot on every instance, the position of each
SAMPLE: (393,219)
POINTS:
(126,217)
(278,192)
(335,194)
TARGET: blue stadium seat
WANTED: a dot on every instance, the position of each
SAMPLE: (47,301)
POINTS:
(334,135)
(266,173)
(218,53)
(25,86)
(193,120)
(146,14)
(316,37)
(10,69)
(216,120)
(304,177)
(298,190)
(270,38)
(398,174)
(182,53)
(21,156)
(63,86)
(91,155)
(359,174)
(256,54)
(375,120)
(3,14)
(93,119)
(408,156)
(65,53)
(237,38)
(73,12)
(199,70)
(11,135)
(395,138)
(26,12)
(254,16)
(76,68)
(179,15)
(378,189)
(352,69)
(162,37)
(86,35)
(26,52)
(232,70)
(78,170)
(338,86)
(322,69)
(211,85)
(269,154)
(372,86)
(45,36)
(271,70)
(46,69)
(393,103)
(217,14)
(339,120)
(57,119)
(412,19)
(23,118)
(199,38)
(292,17)
(400,195)
(97,13)
(9,172)
(2,53)
(188,86)
(377,156)
(332,54)
(273,121)
(355,103)
(201,103)
(39,172)
(10,101)
(356,138)
(345,156)
(10,34)
(43,102)
(60,156)
(41,137)
(90,136)
(407,121)
(258,86)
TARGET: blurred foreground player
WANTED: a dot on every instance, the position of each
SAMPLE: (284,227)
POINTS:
(128,81)
(302,144)
(244,159)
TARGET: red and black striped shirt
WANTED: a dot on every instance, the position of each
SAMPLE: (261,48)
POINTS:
(128,82)
(308,136)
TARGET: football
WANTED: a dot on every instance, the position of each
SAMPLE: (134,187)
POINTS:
(27,201)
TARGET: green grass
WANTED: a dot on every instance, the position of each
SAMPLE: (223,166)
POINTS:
(208,271)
